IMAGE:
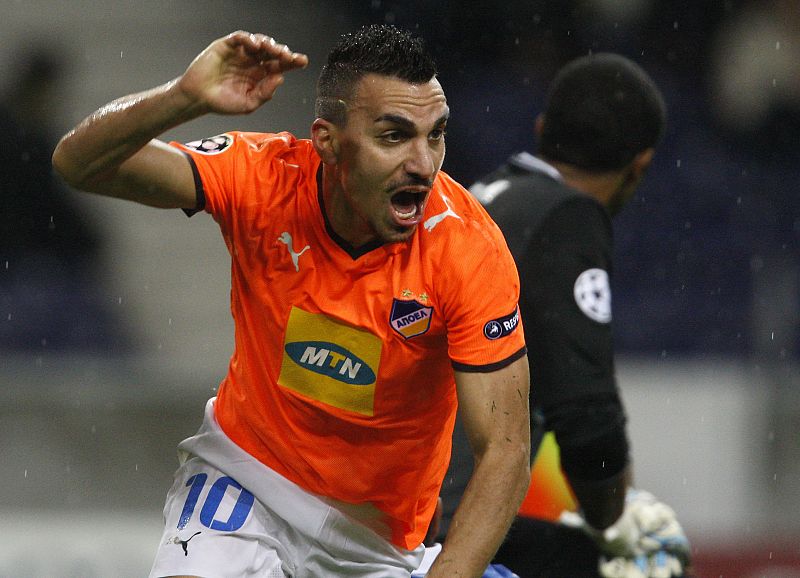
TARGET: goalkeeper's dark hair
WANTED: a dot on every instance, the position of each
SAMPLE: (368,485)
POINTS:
(376,49)
(602,110)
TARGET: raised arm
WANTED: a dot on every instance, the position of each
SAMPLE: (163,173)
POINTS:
(495,413)
(114,150)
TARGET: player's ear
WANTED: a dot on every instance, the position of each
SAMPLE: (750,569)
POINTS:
(324,136)
(538,126)
(641,162)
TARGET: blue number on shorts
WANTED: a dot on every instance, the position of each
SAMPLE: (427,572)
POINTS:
(197,482)
(238,515)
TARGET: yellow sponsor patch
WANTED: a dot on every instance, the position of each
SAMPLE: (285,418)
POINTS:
(330,362)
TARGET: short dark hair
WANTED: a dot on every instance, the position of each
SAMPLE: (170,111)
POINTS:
(375,49)
(602,110)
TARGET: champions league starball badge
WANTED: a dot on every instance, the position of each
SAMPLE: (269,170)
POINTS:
(211,145)
(593,295)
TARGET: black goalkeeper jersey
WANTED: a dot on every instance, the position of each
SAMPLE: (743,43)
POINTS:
(561,240)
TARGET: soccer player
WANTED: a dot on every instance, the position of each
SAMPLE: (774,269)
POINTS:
(603,118)
(371,294)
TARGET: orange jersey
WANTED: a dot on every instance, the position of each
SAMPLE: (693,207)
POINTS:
(342,375)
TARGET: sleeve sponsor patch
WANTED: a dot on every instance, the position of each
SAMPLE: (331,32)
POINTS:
(211,145)
(502,326)
(593,295)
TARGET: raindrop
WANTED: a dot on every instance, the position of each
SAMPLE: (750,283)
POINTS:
(771,436)
(663,353)
(487,108)
(94,430)
(26,474)
(120,54)
(169,321)
(778,45)
(675,25)
(9,316)
(119,300)
(678,163)
(772,336)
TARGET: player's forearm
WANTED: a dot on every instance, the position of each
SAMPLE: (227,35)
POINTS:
(602,501)
(95,149)
(487,509)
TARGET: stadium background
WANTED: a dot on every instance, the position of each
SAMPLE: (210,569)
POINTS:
(108,351)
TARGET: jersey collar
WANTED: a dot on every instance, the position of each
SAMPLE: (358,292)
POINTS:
(354,252)
(527,161)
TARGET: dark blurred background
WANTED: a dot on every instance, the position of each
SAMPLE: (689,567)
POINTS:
(114,322)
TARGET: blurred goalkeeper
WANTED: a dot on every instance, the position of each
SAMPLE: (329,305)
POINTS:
(603,118)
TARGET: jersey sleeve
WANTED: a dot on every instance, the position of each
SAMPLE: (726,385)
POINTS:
(484,327)
(566,301)
(224,171)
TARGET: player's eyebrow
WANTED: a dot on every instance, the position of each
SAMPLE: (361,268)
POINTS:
(396,119)
(408,124)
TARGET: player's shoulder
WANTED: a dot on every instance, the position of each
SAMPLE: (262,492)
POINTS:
(521,195)
(253,146)
(456,223)
(450,195)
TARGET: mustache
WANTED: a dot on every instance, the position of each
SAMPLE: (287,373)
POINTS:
(410,181)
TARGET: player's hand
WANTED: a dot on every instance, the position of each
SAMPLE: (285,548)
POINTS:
(647,539)
(238,73)
(431,552)
(498,571)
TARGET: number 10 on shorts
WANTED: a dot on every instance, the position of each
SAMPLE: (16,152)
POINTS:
(208,512)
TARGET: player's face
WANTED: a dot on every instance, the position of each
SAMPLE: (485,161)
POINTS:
(390,151)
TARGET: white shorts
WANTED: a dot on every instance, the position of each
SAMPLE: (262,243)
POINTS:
(248,521)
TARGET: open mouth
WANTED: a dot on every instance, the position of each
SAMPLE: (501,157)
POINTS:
(407,207)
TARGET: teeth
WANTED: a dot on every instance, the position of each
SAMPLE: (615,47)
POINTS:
(407,215)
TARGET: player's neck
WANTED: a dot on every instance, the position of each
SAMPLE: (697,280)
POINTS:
(601,186)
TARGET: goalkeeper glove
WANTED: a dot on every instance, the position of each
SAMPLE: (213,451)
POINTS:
(646,538)
(660,564)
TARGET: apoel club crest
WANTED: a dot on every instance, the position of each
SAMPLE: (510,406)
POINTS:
(410,318)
